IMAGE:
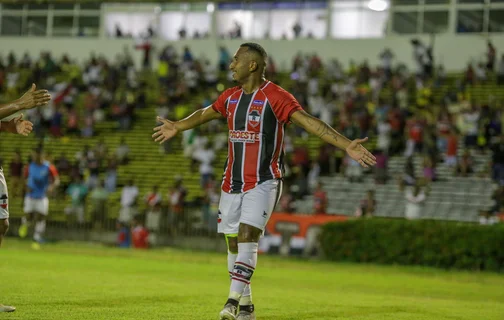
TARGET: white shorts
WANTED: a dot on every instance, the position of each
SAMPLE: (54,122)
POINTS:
(40,206)
(4,197)
(253,207)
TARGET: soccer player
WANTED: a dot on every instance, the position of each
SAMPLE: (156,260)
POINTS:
(31,99)
(257,112)
(41,179)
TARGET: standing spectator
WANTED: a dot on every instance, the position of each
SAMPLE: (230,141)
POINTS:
(205,156)
(177,202)
(56,122)
(386,57)
(16,175)
(498,160)
(129,197)
(111,176)
(500,71)
(415,129)
(451,150)
(415,198)
(319,200)
(77,192)
(153,198)
(384,136)
(471,119)
(93,166)
(224,59)
(99,198)
(491,56)
(122,152)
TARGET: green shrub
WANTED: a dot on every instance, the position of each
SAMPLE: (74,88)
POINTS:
(425,242)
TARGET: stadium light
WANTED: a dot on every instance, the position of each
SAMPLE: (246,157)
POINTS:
(378,5)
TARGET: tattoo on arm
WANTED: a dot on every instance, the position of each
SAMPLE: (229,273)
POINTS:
(323,129)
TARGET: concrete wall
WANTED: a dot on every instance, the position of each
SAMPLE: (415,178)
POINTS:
(453,51)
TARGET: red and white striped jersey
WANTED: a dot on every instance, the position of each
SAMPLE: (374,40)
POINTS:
(256,125)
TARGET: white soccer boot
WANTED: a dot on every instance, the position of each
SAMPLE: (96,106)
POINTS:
(228,313)
(7,308)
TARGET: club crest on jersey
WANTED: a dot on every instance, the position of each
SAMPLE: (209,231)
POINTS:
(257,102)
(3,201)
(254,118)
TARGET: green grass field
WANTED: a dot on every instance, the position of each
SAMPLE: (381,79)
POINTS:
(84,281)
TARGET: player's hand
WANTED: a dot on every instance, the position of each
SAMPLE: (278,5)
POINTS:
(34,98)
(23,127)
(360,154)
(165,131)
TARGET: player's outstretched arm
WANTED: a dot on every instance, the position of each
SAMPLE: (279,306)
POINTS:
(31,99)
(325,132)
(17,126)
(169,128)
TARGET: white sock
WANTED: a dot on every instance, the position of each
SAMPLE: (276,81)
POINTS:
(243,269)
(246,298)
(39,230)
(231,261)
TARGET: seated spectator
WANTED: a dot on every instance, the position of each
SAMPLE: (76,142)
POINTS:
(72,122)
(465,164)
(139,234)
(367,206)
(429,169)
(63,164)
(409,177)
(287,201)
(319,200)
(381,167)
(415,198)
(353,170)
(124,235)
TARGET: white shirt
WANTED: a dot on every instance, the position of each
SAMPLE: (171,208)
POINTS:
(383,135)
(128,196)
(205,157)
(414,204)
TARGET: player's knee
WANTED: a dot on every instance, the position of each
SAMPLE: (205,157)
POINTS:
(232,243)
(4,226)
(248,233)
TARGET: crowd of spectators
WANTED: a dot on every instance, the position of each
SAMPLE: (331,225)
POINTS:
(397,105)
